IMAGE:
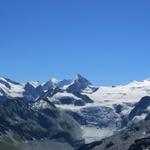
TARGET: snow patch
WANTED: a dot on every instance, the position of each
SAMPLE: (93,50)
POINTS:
(41,104)
(63,94)
(91,134)
(34,83)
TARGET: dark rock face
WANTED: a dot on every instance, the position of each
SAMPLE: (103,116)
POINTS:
(7,82)
(140,107)
(80,83)
(31,92)
(3,92)
(77,84)
(48,85)
(81,101)
(64,82)
(97,117)
(67,100)
(90,146)
(31,121)
(55,84)
(11,81)
(118,108)
(51,92)
(78,117)
(141,144)
(100,116)
(85,98)
(147,117)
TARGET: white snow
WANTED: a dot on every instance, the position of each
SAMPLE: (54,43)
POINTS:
(104,96)
(63,94)
(70,107)
(148,108)
(34,83)
(15,90)
(75,79)
(3,79)
(139,118)
(51,83)
(55,81)
(89,89)
(126,110)
(41,104)
(67,85)
(131,93)
(91,134)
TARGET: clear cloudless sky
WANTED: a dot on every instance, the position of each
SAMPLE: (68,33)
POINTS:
(107,41)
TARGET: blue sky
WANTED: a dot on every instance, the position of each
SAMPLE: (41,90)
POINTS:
(107,41)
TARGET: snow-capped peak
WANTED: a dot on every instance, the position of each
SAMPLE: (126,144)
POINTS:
(54,81)
(51,84)
(130,92)
(6,80)
(34,83)
(79,84)
(3,79)
(10,88)
(80,78)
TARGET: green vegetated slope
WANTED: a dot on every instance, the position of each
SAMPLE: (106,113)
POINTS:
(7,146)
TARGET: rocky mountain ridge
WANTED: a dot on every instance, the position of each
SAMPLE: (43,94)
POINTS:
(101,110)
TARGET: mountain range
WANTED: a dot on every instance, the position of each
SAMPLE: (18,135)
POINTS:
(70,113)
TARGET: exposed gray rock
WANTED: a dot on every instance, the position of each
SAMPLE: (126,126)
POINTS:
(37,121)
(136,134)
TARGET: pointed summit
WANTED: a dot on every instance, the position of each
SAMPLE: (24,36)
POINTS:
(81,80)
(52,83)
(78,76)
(78,84)
(34,84)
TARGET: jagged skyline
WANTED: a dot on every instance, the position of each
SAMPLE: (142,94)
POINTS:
(105,41)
